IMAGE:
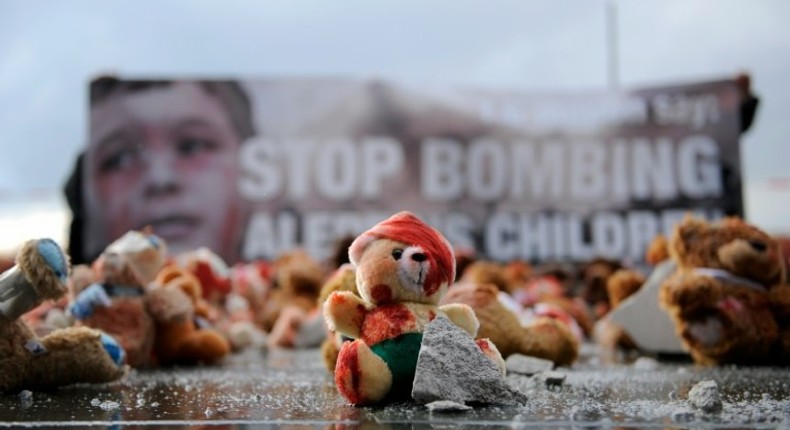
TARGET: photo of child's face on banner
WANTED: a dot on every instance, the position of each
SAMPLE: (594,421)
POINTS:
(164,155)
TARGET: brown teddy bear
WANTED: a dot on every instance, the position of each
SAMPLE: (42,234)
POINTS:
(182,336)
(116,304)
(64,356)
(720,297)
(403,268)
(544,337)
(296,282)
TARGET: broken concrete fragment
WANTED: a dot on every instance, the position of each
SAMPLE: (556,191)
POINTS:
(451,366)
(447,406)
(646,364)
(526,365)
(705,397)
(683,415)
(551,378)
(589,410)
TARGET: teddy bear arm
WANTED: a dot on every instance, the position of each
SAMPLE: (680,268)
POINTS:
(690,294)
(345,312)
(72,355)
(463,316)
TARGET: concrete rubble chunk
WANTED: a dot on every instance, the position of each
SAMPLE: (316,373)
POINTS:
(527,365)
(705,397)
(551,378)
(447,406)
(452,367)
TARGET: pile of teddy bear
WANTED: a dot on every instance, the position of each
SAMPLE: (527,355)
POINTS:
(722,285)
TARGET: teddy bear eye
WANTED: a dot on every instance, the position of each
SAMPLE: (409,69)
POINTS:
(397,253)
(758,245)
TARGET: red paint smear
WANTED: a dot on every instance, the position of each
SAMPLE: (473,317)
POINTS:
(381,293)
(483,344)
(338,301)
(387,322)
(730,305)
(431,315)
(348,376)
(210,282)
(406,228)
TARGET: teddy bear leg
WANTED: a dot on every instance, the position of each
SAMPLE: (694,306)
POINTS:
(730,333)
(76,355)
(361,376)
(489,350)
(204,346)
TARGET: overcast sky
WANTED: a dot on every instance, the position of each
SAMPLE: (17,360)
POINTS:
(50,49)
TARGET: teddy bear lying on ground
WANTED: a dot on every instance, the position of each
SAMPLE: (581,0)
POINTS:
(727,297)
(403,268)
(543,337)
(183,333)
(116,303)
(64,356)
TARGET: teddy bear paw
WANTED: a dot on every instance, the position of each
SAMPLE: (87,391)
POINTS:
(361,376)
(113,349)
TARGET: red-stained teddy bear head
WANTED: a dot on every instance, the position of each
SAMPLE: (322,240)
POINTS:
(402,259)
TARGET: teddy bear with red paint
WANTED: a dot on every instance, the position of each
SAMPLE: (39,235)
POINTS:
(403,268)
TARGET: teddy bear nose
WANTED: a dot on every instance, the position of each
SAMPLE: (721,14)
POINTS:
(419,257)
(758,245)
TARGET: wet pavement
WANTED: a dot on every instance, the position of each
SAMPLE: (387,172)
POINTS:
(291,389)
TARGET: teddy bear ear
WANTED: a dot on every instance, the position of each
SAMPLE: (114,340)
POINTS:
(686,232)
(690,228)
(358,247)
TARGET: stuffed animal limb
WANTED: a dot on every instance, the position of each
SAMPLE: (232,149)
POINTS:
(63,357)
(361,375)
(344,313)
(720,323)
(343,279)
(463,316)
(87,300)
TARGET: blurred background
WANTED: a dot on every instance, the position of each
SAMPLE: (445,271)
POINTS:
(51,50)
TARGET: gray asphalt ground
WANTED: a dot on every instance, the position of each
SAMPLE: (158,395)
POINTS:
(291,389)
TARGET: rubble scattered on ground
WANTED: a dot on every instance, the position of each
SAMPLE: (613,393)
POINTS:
(683,415)
(646,364)
(550,378)
(447,406)
(25,398)
(705,397)
(527,365)
(588,411)
(452,367)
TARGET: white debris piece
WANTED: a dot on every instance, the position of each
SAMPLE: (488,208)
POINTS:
(705,397)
